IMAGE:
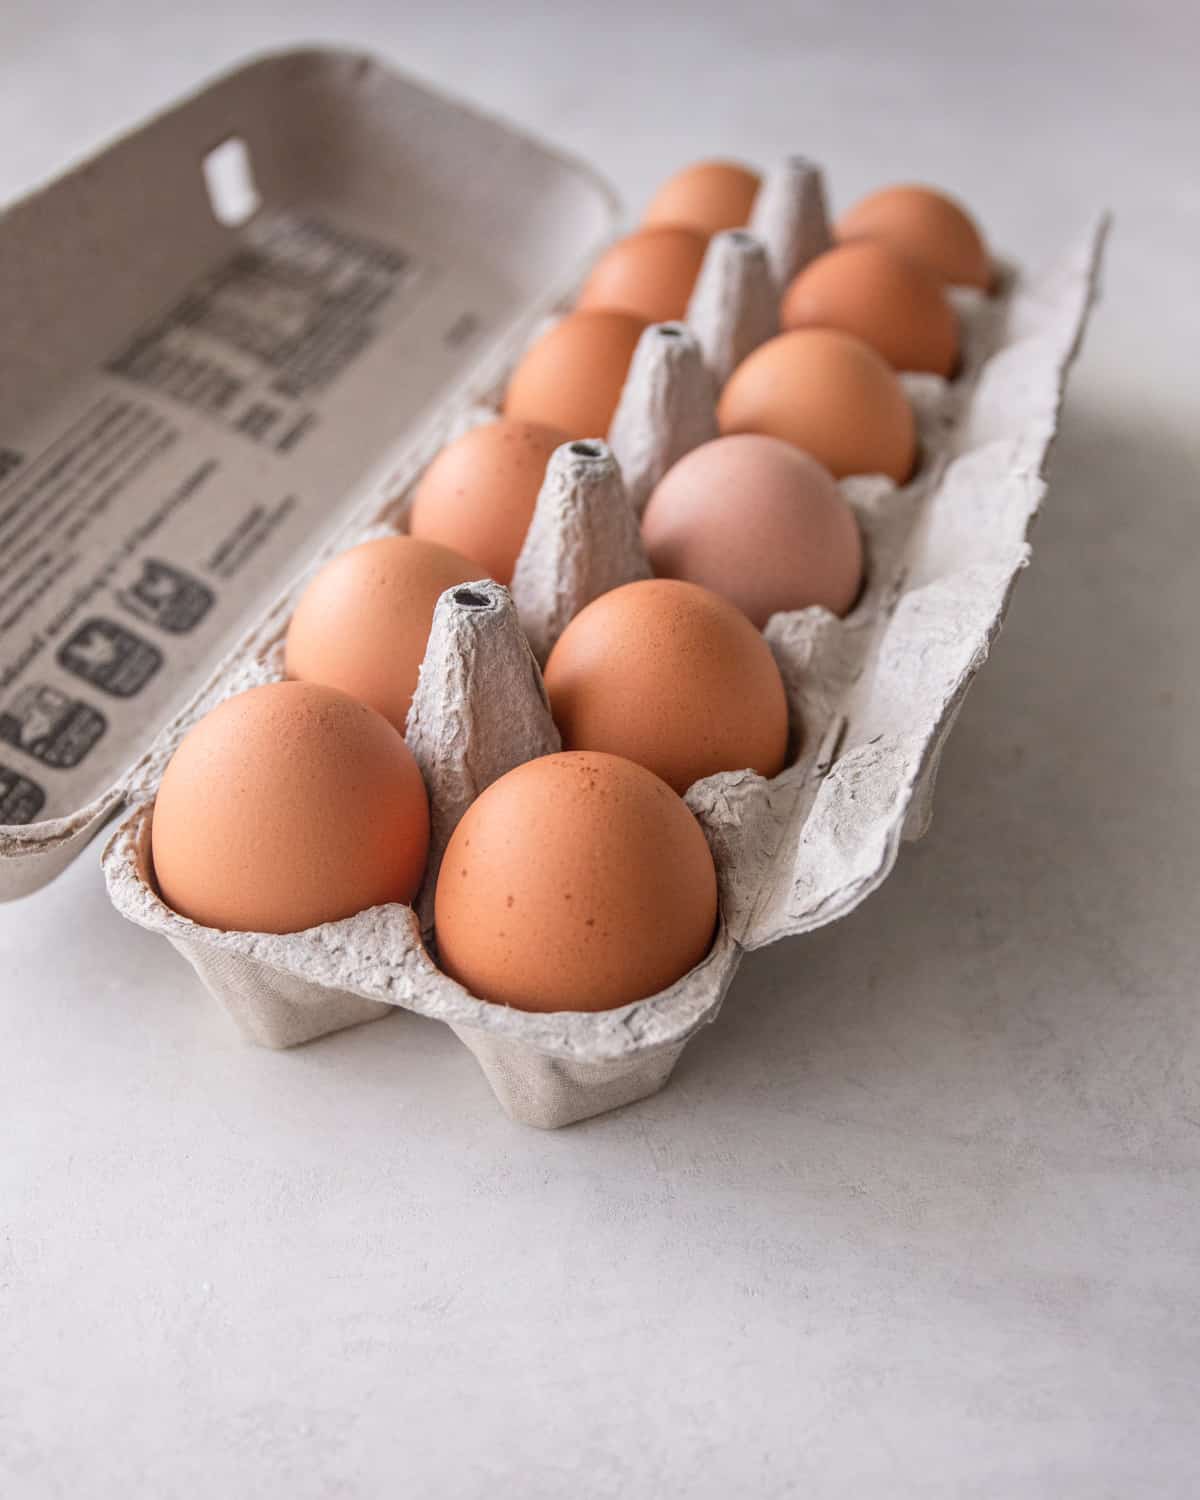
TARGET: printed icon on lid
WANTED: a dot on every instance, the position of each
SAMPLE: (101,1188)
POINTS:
(55,729)
(110,657)
(20,799)
(10,462)
(168,597)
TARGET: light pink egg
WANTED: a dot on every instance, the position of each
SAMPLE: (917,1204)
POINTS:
(758,521)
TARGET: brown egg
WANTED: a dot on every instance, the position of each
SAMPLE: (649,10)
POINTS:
(649,274)
(828,393)
(709,196)
(893,303)
(575,882)
(926,225)
(362,624)
(478,495)
(672,677)
(287,806)
(758,522)
(572,376)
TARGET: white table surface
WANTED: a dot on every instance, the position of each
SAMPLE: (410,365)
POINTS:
(920,1216)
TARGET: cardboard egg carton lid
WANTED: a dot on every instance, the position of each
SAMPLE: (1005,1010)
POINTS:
(227,338)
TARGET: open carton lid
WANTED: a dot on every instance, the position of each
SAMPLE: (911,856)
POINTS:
(224,338)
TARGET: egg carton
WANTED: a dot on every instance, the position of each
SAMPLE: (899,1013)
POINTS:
(872,696)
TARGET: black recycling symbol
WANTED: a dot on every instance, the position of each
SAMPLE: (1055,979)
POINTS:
(20,799)
(168,597)
(55,729)
(110,657)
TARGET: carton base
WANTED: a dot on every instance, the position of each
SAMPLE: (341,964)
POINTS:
(270,1007)
(536,1089)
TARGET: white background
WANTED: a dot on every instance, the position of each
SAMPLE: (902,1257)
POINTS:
(920,1216)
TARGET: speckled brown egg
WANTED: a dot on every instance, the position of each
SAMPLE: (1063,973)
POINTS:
(650,274)
(891,302)
(576,882)
(478,495)
(708,196)
(830,394)
(927,226)
(758,522)
(285,807)
(571,378)
(362,624)
(669,675)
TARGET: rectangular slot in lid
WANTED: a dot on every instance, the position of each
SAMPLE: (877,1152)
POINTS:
(229,178)
(188,407)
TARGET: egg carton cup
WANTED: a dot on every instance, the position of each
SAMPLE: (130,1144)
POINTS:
(872,696)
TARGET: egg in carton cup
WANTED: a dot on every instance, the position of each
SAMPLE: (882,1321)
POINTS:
(871,696)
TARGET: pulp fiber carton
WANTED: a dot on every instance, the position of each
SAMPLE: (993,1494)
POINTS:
(232,342)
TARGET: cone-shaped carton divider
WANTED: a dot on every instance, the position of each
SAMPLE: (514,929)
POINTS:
(583,540)
(480,709)
(667,408)
(791,217)
(734,307)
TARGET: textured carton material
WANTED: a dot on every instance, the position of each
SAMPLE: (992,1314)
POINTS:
(872,695)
